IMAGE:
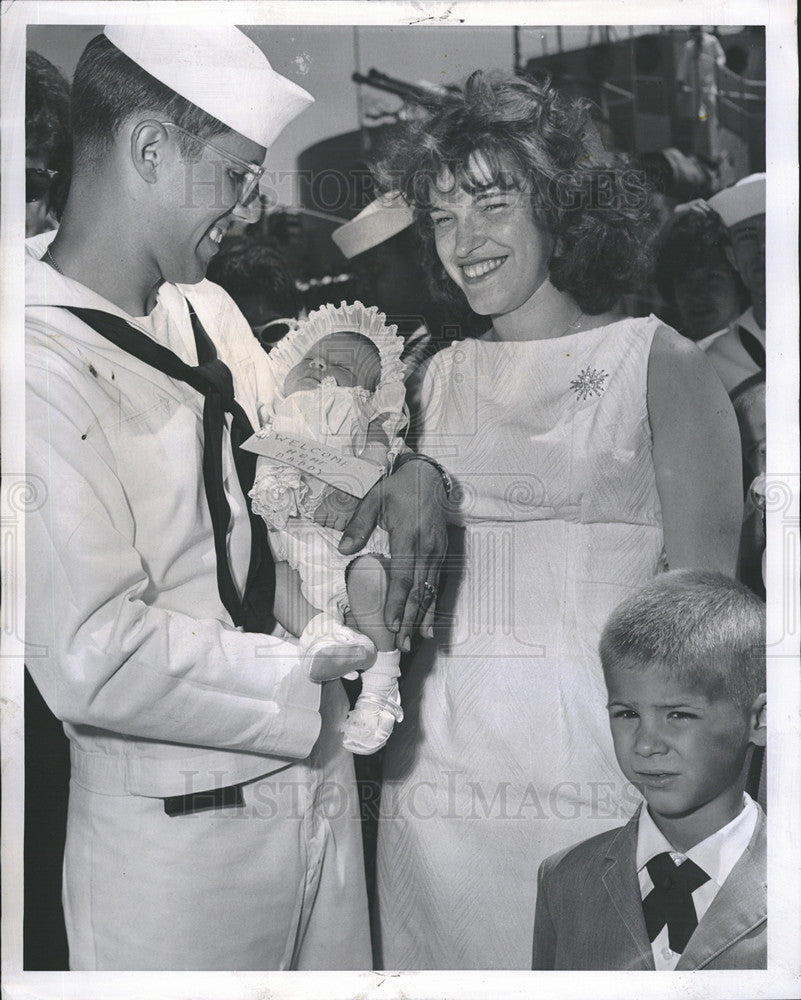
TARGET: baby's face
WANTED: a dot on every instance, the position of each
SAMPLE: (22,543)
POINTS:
(349,358)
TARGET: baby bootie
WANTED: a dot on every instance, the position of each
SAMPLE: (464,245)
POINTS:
(378,708)
(331,649)
(371,720)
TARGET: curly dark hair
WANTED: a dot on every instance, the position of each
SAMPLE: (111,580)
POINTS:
(47,124)
(108,88)
(690,241)
(538,141)
(245,266)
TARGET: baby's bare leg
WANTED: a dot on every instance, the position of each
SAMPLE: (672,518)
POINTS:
(330,657)
(367,592)
(368,726)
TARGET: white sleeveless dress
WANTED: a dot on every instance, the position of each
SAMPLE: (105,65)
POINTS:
(505,754)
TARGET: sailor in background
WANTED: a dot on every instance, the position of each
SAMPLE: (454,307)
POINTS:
(740,351)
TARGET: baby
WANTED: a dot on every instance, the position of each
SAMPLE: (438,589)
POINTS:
(341,382)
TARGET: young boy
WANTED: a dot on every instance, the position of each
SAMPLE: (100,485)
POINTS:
(682,885)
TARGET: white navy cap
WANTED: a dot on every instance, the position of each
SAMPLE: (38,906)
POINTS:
(220,70)
(742,201)
(383,218)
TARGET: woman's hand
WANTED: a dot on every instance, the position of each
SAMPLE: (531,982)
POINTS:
(696,454)
(410,505)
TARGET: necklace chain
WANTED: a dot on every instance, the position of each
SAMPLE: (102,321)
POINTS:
(574,324)
(48,255)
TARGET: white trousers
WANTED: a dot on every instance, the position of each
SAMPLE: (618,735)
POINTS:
(277,883)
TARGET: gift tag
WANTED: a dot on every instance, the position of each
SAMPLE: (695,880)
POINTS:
(344,472)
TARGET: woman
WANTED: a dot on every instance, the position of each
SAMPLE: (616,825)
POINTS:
(695,278)
(589,451)
(48,144)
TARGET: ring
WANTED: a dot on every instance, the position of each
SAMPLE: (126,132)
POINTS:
(430,589)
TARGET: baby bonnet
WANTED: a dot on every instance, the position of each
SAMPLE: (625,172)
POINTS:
(390,394)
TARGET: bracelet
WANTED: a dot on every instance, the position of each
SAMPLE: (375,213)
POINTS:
(412,456)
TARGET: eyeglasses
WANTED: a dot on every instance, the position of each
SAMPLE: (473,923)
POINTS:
(37,183)
(251,172)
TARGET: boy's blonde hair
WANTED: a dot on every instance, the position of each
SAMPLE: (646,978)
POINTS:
(699,626)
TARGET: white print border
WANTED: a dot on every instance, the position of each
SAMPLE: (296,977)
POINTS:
(784,878)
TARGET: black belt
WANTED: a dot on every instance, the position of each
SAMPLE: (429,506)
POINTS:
(215,798)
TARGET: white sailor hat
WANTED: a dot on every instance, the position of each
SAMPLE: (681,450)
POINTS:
(742,201)
(387,216)
(220,70)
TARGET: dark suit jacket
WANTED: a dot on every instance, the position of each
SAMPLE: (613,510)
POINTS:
(589,910)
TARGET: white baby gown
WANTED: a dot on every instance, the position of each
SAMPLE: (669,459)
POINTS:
(337,417)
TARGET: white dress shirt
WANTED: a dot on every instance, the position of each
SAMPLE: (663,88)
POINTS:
(716,855)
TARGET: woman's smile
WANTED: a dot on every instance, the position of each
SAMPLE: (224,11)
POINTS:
(489,231)
(476,270)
